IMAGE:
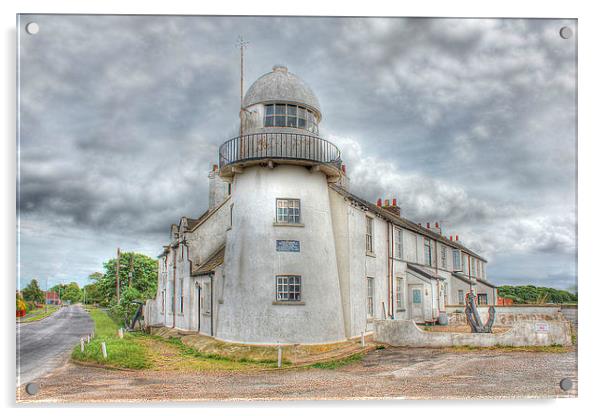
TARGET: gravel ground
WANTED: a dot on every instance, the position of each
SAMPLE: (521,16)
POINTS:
(418,373)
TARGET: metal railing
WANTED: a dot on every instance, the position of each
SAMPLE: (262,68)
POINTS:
(287,146)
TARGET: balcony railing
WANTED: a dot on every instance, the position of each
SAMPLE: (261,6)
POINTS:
(279,146)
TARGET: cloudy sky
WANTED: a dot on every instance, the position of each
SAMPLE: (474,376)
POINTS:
(467,122)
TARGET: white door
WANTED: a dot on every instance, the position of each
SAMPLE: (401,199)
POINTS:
(416,303)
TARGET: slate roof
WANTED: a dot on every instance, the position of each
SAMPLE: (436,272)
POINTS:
(211,263)
(403,222)
(424,271)
(464,278)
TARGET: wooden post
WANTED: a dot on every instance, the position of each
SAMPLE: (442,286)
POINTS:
(279,356)
(104,350)
(88,339)
(363,340)
(117,274)
(131,273)
(81,344)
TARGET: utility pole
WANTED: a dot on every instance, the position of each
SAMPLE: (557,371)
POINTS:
(46,297)
(242,44)
(117,274)
(131,273)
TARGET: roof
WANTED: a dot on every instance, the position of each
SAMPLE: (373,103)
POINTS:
(211,263)
(282,86)
(403,222)
(464,278)
(424,271)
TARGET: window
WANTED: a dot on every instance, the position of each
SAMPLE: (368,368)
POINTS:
(289,115)
(398,238)
(288,211)
(288,288)
(443,257)
(399,293)
(172,295)
(482,299)
(460,297)
(370,297)
(428,259)
(163,301)
(231,214)
(465,263)
(456,259)
(473,266)
(181,295)
(369,234)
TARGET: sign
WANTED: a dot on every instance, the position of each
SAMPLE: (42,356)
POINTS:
(288,245)
(542,327)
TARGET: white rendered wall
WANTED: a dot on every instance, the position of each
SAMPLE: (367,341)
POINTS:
(248,313)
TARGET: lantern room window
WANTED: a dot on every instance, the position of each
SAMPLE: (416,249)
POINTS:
(290,115)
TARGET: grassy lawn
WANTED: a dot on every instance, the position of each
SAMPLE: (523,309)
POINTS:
(122,353)
(39,313)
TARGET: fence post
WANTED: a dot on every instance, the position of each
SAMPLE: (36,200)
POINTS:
(88,338)
(279,356)
(104,350)
(120,332)
(363,340)
(81,344)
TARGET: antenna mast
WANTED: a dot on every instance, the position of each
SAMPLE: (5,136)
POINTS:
(242,44)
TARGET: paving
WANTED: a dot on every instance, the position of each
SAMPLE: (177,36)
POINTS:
(46,344)
(392,373)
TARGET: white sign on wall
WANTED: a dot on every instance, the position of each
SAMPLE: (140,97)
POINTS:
(542,327)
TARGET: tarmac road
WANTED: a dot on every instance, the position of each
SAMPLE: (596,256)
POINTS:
(46,344)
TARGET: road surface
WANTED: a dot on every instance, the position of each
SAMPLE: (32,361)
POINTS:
(46,344)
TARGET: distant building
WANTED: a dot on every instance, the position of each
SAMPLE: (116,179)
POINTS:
(286,254)
(52,298)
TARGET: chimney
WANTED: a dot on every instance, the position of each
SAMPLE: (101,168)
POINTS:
(437,229)
(456,237)
(379,203)
(394,208)
(428,225)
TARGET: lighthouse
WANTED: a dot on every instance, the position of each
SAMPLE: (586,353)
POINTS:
(281,282)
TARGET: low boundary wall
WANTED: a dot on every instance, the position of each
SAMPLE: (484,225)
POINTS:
(403,333)
(509,314)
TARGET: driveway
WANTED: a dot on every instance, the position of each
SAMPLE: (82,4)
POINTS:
(46,344)
(418,373)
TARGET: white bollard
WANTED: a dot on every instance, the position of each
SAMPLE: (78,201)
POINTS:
(363,341)
(120,332)
(88,338)
(104,350)
(81,344)
(279,356)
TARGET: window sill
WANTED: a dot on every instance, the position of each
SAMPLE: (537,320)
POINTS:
(370,254)
(286,224)
(228,228)
(400,310)
(290,302)
(206,314)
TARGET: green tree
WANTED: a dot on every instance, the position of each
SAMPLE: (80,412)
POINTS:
(72,293)
(33,293)
(93,294)
(143,278)
(533,294)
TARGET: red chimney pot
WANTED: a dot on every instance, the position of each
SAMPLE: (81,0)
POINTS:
(436,225)
(394,201)
(428,225)
(456,237)
(379,203)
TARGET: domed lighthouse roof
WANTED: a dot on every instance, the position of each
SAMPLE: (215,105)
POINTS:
(281,86)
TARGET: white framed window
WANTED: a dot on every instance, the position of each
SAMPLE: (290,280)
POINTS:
(369,234)
(370,297)
(473,266)
(465,263)
(399,290)
(163,301)
(398,243)
(457,266)
(443,257)
(460,297)
(428,252)
(482,299)
(172,297)
(288,288)
(288,211)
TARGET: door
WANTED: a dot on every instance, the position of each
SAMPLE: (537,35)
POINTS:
(416,303)
(198,303)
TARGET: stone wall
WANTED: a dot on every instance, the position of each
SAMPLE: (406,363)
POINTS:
(403,333)
(507,315)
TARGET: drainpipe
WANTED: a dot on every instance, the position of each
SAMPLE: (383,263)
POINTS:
(175,260)
(211,303)
(390,268)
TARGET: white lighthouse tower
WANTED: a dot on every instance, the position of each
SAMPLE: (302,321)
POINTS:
(281,283)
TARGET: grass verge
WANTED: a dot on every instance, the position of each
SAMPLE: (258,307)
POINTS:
(121,352)
(38,314)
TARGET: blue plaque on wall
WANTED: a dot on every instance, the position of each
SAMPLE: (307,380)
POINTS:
(288,245)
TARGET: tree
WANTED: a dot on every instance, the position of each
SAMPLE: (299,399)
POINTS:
(533,294)
(92,290)
(33,293)
(144,277)
(72,293)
